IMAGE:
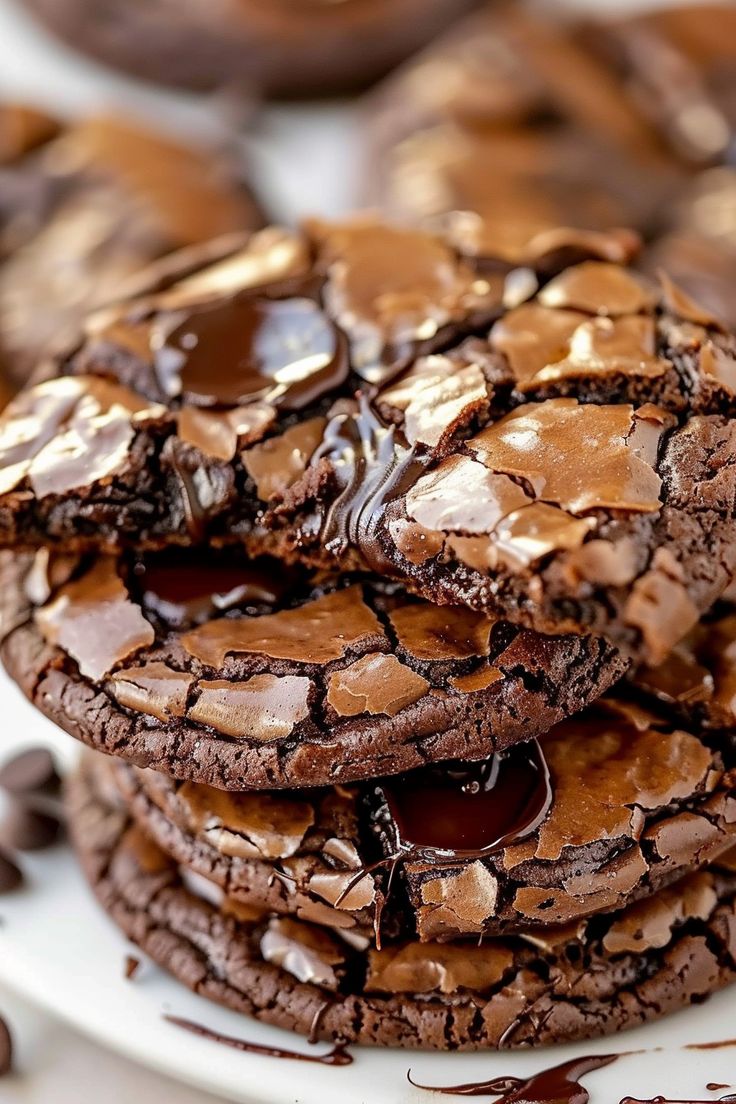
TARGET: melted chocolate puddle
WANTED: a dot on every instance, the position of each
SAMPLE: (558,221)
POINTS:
(558,1085)
(184,587)
(282,351)
(442,815)
(338,1056)
(448,813)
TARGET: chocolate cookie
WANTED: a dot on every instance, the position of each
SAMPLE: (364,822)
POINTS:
(545,986)
(238,675)
(508,126)
(624,389)
(605,809)
(677,65)
(697,681)
(697,241)
(294,321)
(573,510)
(83,206)
(276,46)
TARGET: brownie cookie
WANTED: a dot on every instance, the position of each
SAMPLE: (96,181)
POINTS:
(571,469)
(598,494)
(277,46)
(85,205)
(548,985)
(608,807)
(171,395)
(696,244)
(697,681)
(210,668)
(677,66)
(508,126)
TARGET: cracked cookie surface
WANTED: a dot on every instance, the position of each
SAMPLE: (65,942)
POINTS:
(598,977)
(633,802)
(244,675)
(217,405)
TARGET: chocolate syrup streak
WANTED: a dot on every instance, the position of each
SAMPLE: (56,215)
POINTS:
(558,1085)
(670,1100)
(338,1056)
(375,465)
(711,1046)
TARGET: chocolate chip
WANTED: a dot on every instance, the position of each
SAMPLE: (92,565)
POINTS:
(11,875)
(132,966)
(31,771)
(27,829)
(6,1049)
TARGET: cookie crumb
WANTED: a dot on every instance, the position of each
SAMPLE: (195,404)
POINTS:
(132,966)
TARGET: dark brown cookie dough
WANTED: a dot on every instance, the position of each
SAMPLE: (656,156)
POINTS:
(240,675)
(276,47)
(594,978)
(83,206)
(633,803)
(508,126)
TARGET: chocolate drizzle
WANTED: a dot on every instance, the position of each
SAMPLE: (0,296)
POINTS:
(338,1056)
(470,810)
(712,1046)
(730,1099)
(282,351)
(374,464)
(558,1085)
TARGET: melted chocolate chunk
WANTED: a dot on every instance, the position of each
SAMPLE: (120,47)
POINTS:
(338,1056)
(186,588)
(285,352)
(470,810)
(558,1085)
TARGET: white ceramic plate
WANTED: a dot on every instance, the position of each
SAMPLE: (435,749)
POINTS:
(58,949)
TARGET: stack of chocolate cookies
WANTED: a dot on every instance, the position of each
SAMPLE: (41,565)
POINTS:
(337,543)
(519,120)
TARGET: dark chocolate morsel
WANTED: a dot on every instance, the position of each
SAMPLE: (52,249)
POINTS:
(11,876)
(27,829)
(6,1049)
(30,772)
